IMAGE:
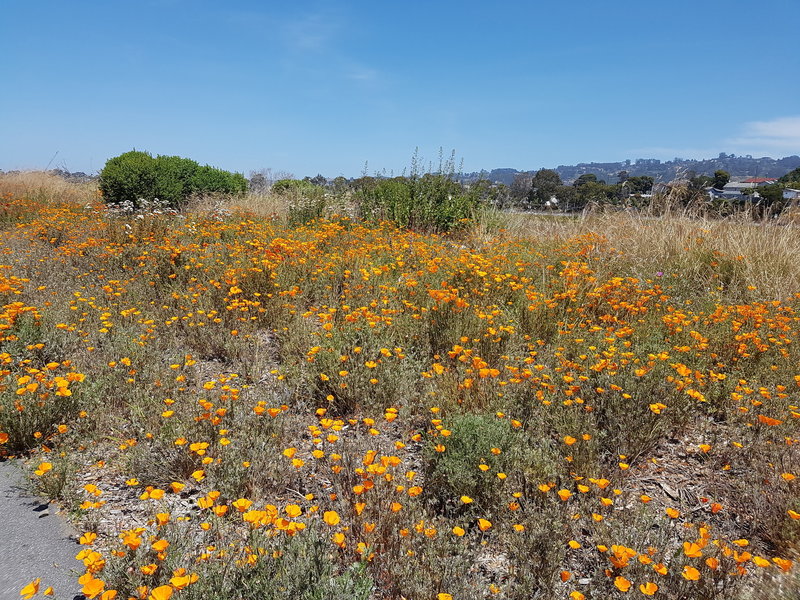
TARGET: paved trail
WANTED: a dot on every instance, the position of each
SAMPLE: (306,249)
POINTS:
(34,541)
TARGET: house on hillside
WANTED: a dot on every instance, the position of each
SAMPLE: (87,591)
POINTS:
(759,181)
(791,194)
(733,190)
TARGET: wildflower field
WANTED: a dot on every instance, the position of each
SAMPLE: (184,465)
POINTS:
(233,407)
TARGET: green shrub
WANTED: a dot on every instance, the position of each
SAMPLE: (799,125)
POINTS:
(210,180)
(455,473)
(136,177)
(128,177)
(430,202)
(286,186)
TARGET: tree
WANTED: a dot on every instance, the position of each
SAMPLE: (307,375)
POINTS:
(640,184)
(544,185)
(340,185)
(698,183)
(488,193)
(596,191)
(319,180)
(791,179)
(720,179)
(772,196)
(586,178)
(567,198)
(261,180)
(520,188)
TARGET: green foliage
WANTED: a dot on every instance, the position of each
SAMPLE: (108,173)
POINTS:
(642,184)
(586,178)
(698,182)
(128,177)
(430,202)
(136,177)
(208,179)
(598,192)
(287,186)
(455,473)
(386,199)
(720,179)
(544,186)
(771,196)
(791,176)
(423,201)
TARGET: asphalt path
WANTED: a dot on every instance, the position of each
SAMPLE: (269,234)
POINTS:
(35,541)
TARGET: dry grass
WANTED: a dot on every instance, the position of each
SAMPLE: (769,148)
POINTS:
(762,254)
(43,185)
(261,205)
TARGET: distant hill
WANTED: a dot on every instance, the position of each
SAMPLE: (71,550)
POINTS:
(737,166)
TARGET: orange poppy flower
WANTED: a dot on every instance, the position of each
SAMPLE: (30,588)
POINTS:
(648,589)
(690,573)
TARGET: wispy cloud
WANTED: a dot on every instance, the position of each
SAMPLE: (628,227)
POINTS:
(776,138)
(778,135)
(361,73)
(312,32)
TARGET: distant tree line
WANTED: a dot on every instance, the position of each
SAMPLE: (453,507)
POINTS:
(545,189)
(661,171)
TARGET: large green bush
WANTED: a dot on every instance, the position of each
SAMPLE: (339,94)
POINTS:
(136,177)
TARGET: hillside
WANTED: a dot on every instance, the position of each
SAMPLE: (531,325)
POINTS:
(737,166)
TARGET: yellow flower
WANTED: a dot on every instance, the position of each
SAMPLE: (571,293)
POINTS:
(162,592)
(648,589)
(87,539)
(690,573)
(622,584)
(44,468)
(31,589)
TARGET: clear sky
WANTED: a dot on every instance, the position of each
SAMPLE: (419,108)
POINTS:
(323,87)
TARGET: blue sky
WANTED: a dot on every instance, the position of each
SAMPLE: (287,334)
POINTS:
(323,87)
